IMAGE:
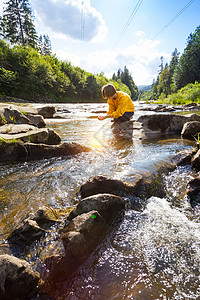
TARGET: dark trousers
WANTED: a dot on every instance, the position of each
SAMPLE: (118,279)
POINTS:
(125,117)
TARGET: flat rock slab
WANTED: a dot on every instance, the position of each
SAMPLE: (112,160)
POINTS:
(43,135)
(16,128)
(13,151)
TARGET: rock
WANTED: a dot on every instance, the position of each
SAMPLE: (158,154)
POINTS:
(141,186)
(2,119)
(17,281)
(190,129)
(195,162)
(13,151)
(102,185)
(108,206)
(193,191)
(37,120)
(40,135)
(46,111)
(16,128)
(16,150)
(123,129)
(32,228)
(81,237)
(190,105)
(16,117)
(166,123)
(64,149)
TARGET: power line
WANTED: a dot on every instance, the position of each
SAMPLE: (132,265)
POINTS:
(173,19)
(82,21)
(129,21)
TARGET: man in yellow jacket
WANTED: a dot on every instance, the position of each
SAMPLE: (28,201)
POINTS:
(121,107)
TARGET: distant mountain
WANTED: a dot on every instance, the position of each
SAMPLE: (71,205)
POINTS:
(145,87)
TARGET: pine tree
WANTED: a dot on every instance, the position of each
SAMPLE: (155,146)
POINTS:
(17,23)
(44,45)
(188,69)
(127,79)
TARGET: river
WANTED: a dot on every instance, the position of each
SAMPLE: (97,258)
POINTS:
(153,254)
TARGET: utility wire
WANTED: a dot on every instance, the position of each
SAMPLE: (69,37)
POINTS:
(173,19)
(83,21)
(129,21)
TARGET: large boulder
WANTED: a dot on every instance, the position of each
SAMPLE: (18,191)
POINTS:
(107,205)
(190,129)
(16,150)
(166,123)
(21,115)
(15,116)
(46,111)
(80,238)
(17,281)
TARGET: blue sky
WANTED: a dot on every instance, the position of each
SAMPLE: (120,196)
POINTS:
(105,35)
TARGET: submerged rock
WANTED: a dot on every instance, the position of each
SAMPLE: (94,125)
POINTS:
(107,205)
(17,281)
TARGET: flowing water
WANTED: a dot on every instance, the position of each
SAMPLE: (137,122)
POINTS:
(153,254)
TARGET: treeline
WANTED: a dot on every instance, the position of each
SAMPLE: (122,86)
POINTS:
(29,70)
(27,74)
(181,71)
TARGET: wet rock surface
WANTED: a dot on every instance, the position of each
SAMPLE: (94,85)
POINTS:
(193,191)
(107,205)
(190,129)
(17,281)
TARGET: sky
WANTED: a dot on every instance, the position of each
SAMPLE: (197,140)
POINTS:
(105,35)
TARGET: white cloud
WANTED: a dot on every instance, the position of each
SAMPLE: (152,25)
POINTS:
(2,5)
(140,33)
(142,60)
(73,18)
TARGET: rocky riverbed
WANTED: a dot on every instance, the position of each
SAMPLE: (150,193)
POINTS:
(102,199)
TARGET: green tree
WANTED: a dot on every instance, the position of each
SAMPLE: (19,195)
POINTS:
(17,23)
(188,69)
(172,67)
(44,45)
(127,79)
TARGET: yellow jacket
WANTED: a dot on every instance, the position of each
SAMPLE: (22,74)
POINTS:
(120,105)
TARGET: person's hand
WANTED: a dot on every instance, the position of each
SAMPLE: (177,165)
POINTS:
(101,117)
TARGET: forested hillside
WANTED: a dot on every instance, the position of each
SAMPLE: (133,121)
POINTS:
(29,70)
(182,71)
(27,74)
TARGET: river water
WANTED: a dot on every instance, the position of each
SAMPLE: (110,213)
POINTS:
(153,254)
